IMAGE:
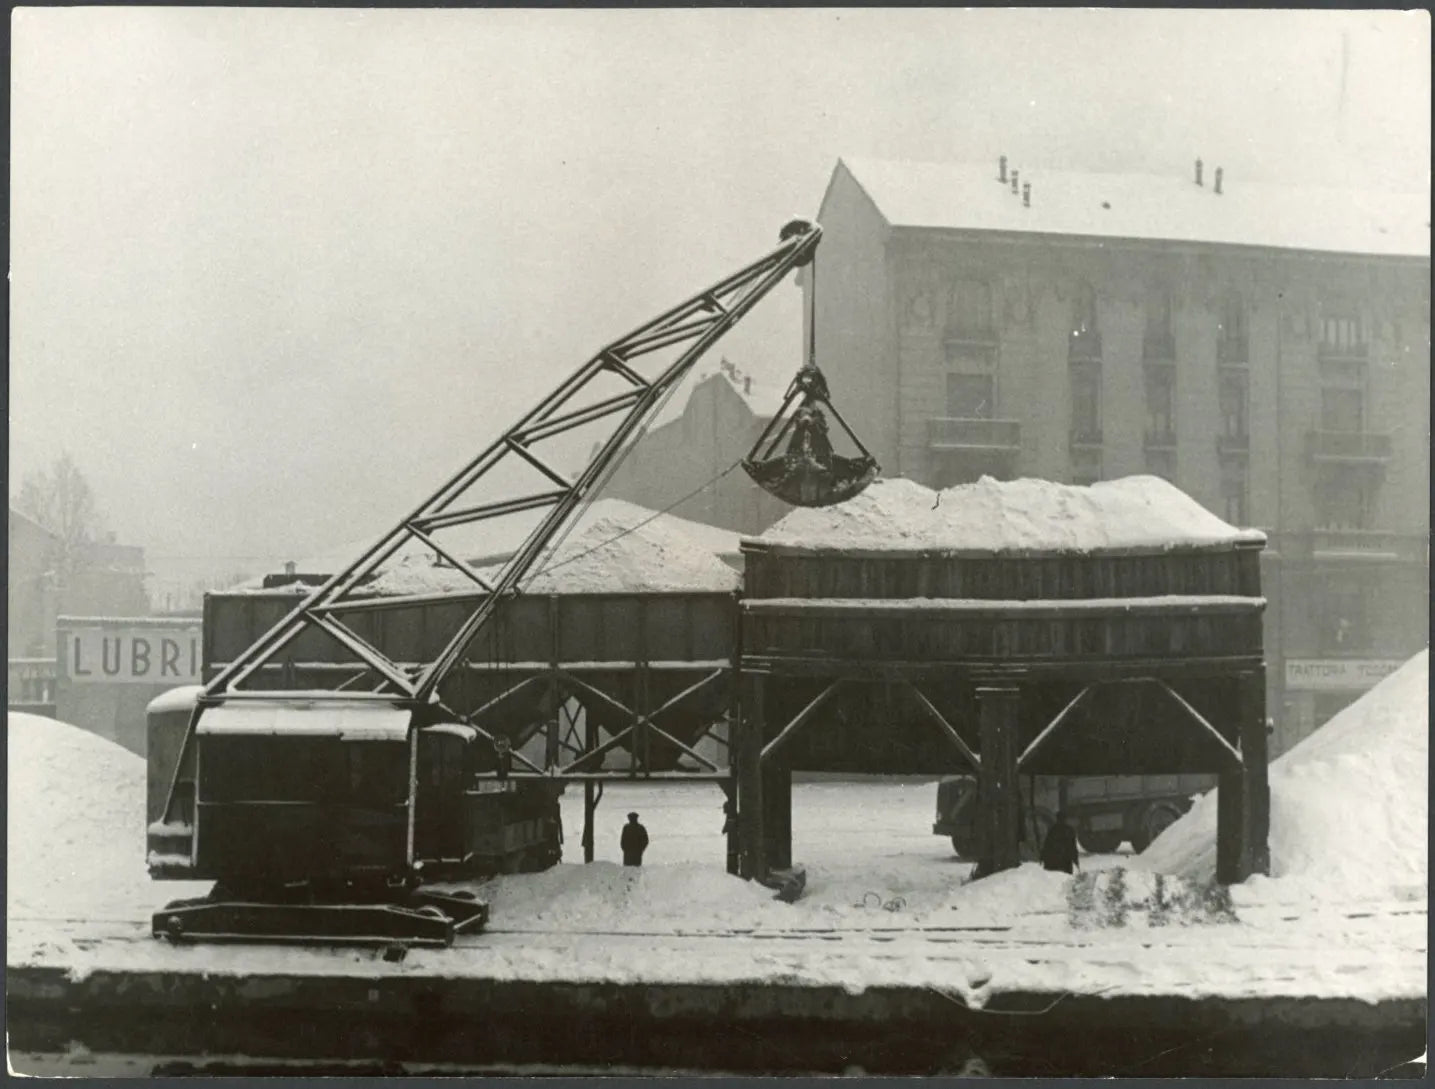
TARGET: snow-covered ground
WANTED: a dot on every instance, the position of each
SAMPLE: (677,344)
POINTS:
(886,902)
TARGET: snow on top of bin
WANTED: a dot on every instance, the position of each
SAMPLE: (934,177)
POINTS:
(1022,516)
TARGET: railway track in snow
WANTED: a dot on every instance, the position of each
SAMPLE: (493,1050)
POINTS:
(1031,931)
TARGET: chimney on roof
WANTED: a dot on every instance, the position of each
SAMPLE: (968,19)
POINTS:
(1001,170)
(1198,172)
(1026,194)
(747,383)
(290,567)
(1014,174)
(1219,172)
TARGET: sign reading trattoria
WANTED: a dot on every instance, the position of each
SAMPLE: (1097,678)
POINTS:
(1338,674)
(131,653)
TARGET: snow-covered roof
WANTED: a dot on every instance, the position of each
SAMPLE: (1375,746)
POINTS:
(968,196)
(762,393)
(495,539)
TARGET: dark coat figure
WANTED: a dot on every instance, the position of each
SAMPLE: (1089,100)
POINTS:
(1058,850)
(634,841)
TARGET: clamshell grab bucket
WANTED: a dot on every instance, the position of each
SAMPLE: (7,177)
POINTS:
(807,472)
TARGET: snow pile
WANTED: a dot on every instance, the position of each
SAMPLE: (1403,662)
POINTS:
(1349,804)
(1122,897)
(617,552)
(493,540)
(76,834)
(1136,512)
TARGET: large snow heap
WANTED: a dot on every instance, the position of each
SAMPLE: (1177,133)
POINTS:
(1136,512)
(76,811)
(1349,804)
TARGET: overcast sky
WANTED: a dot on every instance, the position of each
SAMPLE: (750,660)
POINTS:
(276,273)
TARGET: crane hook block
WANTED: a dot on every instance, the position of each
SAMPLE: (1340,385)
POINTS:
(807,472)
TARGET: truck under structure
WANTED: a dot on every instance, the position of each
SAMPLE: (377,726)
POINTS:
(322,813)
(1106,811)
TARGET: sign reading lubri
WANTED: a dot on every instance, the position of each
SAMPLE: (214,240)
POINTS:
(132,654)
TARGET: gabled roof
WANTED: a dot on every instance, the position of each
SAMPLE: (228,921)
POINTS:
(762,395)
(967,196)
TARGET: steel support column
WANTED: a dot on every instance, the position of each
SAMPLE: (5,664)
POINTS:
(1243,797)
(999,791)
(777,814)
(590,801)
(748,760)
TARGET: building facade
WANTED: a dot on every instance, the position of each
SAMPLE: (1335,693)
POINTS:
(1265,349)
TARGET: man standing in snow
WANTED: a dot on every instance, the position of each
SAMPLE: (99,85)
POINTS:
(634,841)
(1058,850)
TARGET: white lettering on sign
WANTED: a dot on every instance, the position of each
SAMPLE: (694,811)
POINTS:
(139,655)
(1338,674)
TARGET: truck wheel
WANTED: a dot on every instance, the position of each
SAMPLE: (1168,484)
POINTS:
(965,846)
(1158,817)
(1103,842)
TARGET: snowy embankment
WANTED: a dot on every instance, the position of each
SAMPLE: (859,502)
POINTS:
(1135,512)
(1349,804)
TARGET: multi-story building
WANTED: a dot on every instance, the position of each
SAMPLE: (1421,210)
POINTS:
(1265,348)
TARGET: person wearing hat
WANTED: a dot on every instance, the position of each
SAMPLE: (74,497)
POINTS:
(634,841)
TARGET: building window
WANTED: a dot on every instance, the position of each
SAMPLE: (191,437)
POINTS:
(1344,501)
(970,396)
(969,310)
(1158,341)
(1342,334)
(1342,409)
(1232,339)
(1084,341)
(1162,463)
(1160,406)
(1234,399)
(1086,406)
(1343,619)
(1235,502)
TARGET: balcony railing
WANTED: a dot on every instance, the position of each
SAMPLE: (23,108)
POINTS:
(1233,444)
(31,685)
(1366,543)
(1342,353)
(957,337)
(955,433)
(1349,446)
